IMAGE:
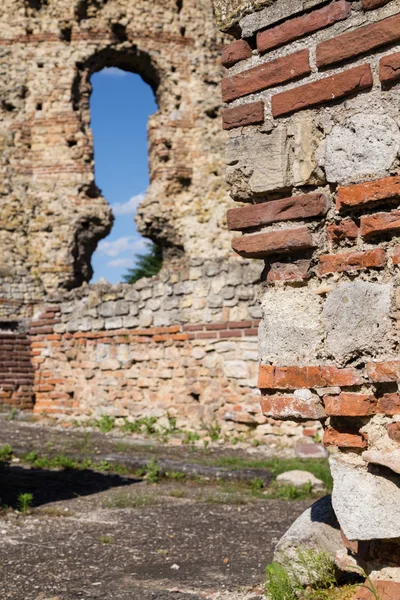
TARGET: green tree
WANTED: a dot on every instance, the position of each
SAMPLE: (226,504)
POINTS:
(147,265)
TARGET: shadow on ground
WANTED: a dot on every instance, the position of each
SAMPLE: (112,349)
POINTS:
(54,486)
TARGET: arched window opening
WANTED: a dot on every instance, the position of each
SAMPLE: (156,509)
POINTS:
(121,103)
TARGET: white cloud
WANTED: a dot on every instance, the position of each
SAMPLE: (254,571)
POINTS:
(127,208)
(113,72)
(124,263)
(122,245)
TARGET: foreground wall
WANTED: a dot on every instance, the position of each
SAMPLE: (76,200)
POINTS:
(312,108)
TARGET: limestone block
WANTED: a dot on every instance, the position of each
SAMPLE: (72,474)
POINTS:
(291,330)
(385,458)
(365,145)
(317,528)
(257,163)
(107,309)
(237,369)
(356,318)
(300,478)
(367,504)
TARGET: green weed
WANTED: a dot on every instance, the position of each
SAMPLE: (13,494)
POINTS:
(24,502)
(191,437)
(289,492)
(106,539)
(256,484)
(125,500)
(177,475)
(6,453)
(105,423)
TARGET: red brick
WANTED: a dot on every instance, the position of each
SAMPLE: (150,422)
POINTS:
(216,326)
(271,377)
(351,261)
(251,332)
(350,405)
(371,4)
(288,407)
(240,116)
(387,590)
(231,333)
(192,327)
(384,372)
(389,68)
(295,271)
(206,335)
(239,324)
(367,193)
(266,75)
(273,242)
(396,256)
(343,439)
(360,40)
(345,230)
(371,225)
(296,28)
(296,207)
(325,90)
(388,404)
(235,52)
(393,430)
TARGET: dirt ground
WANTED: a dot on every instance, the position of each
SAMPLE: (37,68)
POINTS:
(111,537)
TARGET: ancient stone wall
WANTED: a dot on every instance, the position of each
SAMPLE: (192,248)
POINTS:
(312,108)
(51,213)
(183,343)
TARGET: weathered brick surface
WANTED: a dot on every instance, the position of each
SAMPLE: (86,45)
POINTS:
(352,261)
(289,407)
(389,68)
(331,88)
(305,24)
(370,192)
(384,372)
(350,405)
(271,377)
(235,52)
(359,41)
(388,590)
(372,4)
(266,75)
(393,430)
(273,242)
(297,207)
(347,229)
(291,271)
(372,225)
(343,439)
(246,114)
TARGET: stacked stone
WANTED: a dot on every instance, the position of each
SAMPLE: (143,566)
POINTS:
(183,343)
(312,110)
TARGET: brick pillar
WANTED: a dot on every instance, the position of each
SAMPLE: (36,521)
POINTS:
(312,107)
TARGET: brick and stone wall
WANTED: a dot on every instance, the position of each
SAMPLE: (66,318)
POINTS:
(183,343)
(16,368)
(311,98)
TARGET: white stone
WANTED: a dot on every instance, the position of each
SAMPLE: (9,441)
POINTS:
(367,505)
(356,318)
(236,369)
(291,329)
(365,145)
(299,478)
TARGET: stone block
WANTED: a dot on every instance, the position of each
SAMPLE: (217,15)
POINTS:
(367,504)
(291,328)
(362,145)
(356,318)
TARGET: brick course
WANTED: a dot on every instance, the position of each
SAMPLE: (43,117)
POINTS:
(363,39)
(266,75)
(298,27)
(325,90)
(240,116)
(273,242)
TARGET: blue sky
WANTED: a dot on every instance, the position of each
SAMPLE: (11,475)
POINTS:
(120,106)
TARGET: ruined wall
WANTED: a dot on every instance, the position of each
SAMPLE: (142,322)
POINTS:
(183,343)
(313,113)
(51,213)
